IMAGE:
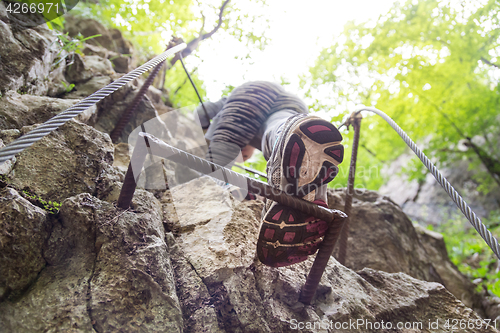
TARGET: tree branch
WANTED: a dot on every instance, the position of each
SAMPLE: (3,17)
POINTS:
(371,152)
(193,45)
(183,83)
(491,164)
(489,62)
(219,24)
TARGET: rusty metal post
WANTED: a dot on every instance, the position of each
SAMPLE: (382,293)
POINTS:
(159,148)
(116,133)
(133,173)
(324,253)
(355,121)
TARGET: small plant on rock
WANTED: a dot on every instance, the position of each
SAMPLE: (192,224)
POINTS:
(70,45)
(50,206)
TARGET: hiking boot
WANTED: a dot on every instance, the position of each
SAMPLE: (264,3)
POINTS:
(304,158)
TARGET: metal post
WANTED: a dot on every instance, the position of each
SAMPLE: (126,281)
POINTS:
(159,148)
(131,177)
(355,121)
(324,253)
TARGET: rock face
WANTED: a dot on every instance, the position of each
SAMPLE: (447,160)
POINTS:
(23,231)
(105,272)
(215,265)
(26,56)
(67,162)
(18,110)
(429,203)
(183,259)
(105,269)
(382,237)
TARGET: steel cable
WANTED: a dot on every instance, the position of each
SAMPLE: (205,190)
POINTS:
(459,201)
(25,141)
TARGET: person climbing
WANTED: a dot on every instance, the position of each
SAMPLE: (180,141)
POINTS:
(302,153)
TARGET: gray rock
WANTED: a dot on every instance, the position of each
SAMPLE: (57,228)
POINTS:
(23,230)
(84,68)
(26,56)
(215,255)
(121,63)
(18,110)
(109,183)
(65,163)
(57,83)
(123,152)
(139,290)
(9,135)
(154,95)
(112,108)
(111,39)
(109,271)
(428,203)
(83,90)
(89,49)
(122,45)
(457,283)
(88,27)
(382,237)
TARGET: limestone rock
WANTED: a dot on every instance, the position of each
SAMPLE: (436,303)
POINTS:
(123,152)
(428,203)
(18,110)
(215,255)
(109,271)
(112,108)
(122,45)
(65,163)
(89,27)
(89,49)
(83,90)
(26,57)
(84,68)
(382,237)
(56,81)
(9,135)
(154,95)
(23,230)
(121,64)
(457,283)
(111,39)
(110,183)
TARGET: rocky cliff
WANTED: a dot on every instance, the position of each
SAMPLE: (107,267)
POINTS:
(70,260)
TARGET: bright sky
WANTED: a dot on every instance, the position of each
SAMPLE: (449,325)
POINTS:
(298,31)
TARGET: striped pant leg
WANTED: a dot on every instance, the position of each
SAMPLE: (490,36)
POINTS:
(244,113)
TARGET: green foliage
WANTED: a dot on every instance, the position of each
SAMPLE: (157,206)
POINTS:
(427,64)
(256,162)
(182,93)
(151,24)
(68,87)
(50,206)
(470,253)
(70,46)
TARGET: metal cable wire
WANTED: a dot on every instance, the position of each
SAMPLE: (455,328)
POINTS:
(162,149)
(459,201)
(15,147)
(194,87)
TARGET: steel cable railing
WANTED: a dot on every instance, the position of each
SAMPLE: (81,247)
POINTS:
(459,201)
(25,141)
